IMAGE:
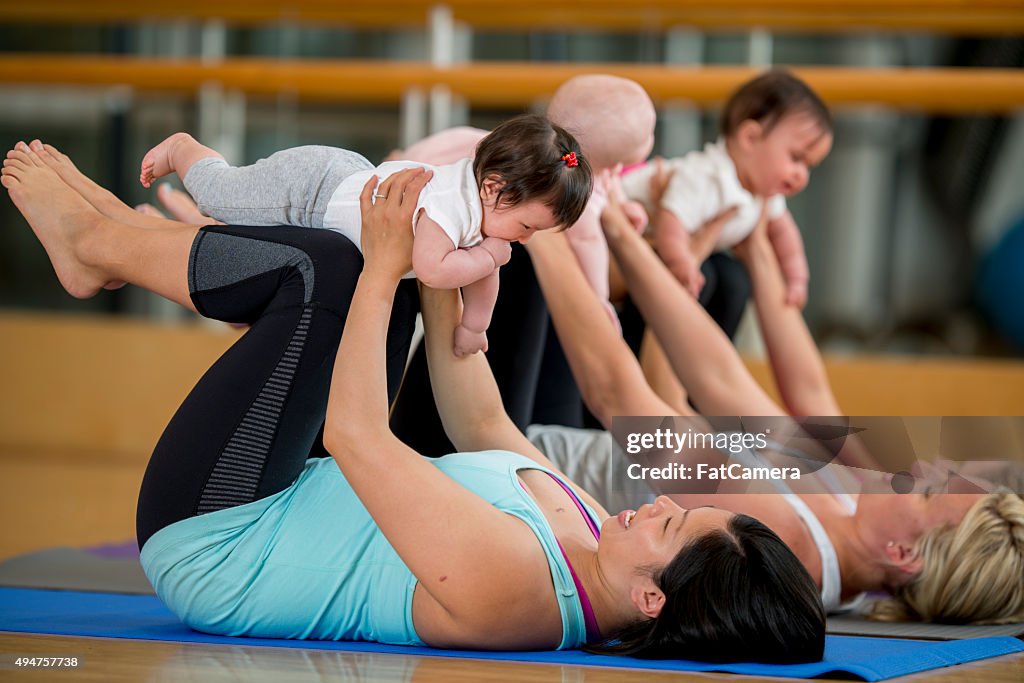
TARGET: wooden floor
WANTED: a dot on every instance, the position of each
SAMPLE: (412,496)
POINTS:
(114,660)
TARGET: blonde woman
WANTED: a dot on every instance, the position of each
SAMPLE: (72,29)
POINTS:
(948,557)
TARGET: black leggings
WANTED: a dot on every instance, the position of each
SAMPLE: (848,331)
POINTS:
(247,428)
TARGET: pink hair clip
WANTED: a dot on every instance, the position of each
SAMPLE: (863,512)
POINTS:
(570,160)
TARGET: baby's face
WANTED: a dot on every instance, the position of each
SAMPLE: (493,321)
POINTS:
(517,223)
(780,161)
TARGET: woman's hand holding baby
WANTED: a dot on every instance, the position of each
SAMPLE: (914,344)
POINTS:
(387,234)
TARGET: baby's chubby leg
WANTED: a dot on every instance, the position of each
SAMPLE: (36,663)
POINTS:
(176,154)
(290,187)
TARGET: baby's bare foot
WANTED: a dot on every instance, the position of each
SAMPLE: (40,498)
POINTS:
(59,217)
(159,161)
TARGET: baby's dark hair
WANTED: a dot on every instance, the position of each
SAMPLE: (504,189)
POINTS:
(771,97)
(526,155)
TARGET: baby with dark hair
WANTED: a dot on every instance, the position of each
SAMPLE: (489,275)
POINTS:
(774,130)
(527,175)
(613,119)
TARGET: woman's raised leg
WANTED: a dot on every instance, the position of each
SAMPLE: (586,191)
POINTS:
(102,199)
(89,250)
(245,430)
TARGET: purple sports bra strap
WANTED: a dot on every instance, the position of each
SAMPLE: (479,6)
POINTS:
(590,522)
(589,618)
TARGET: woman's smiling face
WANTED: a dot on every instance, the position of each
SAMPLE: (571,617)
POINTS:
(655,533)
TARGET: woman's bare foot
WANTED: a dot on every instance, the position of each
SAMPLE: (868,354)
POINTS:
(103,200)
(159,161)
(60,218)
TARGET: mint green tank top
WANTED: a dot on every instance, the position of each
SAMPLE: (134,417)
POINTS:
(309,562)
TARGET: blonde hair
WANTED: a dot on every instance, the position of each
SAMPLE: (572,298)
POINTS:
(971,573)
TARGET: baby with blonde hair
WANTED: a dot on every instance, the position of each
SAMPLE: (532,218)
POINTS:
(612,119)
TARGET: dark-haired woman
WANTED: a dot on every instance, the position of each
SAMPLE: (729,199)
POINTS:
(241,534)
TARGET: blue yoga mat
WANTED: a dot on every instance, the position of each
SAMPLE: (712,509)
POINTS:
(144,617)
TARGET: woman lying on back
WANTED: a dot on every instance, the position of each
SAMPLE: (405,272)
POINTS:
(243,533)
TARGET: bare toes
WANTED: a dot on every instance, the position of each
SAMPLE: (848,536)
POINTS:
(57,155)
(27,161)
(31,157)
(41,152)
(16,164)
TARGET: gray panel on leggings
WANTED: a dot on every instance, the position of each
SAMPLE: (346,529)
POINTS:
(236,475)
(228,259)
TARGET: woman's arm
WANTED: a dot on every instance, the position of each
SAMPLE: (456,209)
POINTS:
(796,363)
(701,355)
(466,394)
(608,375)
(659,375)
(587,242)
(458,545)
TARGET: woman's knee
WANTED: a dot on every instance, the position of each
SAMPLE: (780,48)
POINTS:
(335,264)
